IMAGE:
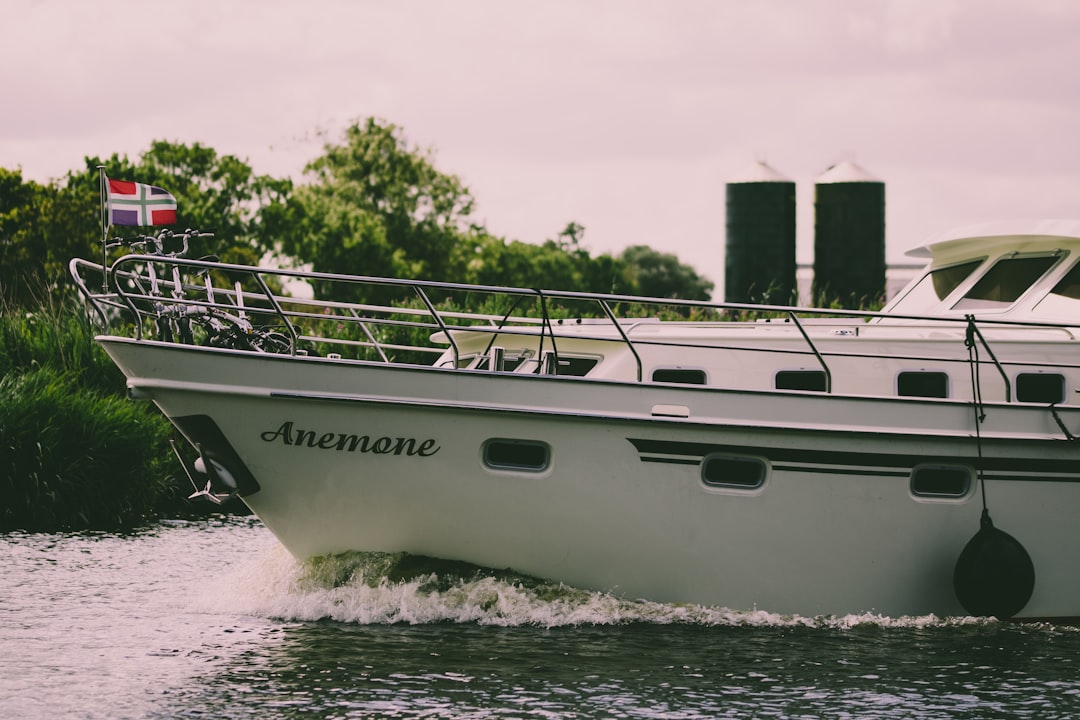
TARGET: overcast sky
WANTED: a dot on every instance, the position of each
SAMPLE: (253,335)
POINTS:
(627,116)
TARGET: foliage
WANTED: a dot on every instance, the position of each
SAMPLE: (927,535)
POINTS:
(24,236)
(58,335)
(661,275)
(44,226)
(70,458)
(74,451)
(375,205)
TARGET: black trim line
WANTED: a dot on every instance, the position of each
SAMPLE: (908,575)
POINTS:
(842,462)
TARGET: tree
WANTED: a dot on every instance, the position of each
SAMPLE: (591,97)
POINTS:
(23,242)
(377,206)
(43,226)
(656,274)
(214,192)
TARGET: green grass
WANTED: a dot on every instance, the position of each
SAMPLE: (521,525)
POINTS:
(56,334)
(76,458)
(75,453)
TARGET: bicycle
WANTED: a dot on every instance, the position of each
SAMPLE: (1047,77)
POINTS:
(187,321)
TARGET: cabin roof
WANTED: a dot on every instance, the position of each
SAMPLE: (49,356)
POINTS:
(974,240)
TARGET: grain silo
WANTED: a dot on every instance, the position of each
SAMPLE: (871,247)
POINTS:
(849,236)
(759,262)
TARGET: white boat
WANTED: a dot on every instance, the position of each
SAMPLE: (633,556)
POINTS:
(789,460)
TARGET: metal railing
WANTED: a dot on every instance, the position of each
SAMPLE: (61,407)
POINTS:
(170,298)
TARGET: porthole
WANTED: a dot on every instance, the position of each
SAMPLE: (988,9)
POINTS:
(733,472)
(684,376)
(521,455)
(922,383)
(1045,388)
(940,481)
(812,380)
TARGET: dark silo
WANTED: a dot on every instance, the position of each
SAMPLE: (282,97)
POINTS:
(849,237)
(759,261)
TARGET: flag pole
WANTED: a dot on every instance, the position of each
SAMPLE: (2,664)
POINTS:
(104,231)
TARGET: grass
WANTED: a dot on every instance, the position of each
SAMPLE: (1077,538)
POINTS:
(77,458)
(75,454)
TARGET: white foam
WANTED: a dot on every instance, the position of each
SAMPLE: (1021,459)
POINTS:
(355,588)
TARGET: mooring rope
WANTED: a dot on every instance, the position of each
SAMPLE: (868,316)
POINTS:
(977,401)
(1060,424)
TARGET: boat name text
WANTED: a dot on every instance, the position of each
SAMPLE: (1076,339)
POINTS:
(351,443)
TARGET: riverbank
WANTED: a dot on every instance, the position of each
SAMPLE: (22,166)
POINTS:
(75,453)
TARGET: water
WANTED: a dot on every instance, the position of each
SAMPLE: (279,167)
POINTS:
(212,619)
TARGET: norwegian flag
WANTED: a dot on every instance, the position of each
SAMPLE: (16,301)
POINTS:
(132,203)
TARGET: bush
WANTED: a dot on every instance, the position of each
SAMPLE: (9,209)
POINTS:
(55,334)
(75,453)
(74,458)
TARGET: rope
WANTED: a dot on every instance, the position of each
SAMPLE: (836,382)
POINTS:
(977,401)
(1060,424)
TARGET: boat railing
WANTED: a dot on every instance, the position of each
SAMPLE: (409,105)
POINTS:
(175,299)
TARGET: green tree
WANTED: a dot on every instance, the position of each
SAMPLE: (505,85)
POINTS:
(24,246)
(375,205)
(557,264)
(43,226)
(655,274)
(214,192)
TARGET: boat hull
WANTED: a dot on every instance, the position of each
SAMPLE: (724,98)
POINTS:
(380,457)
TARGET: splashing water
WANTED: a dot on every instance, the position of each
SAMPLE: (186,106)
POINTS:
(388,588)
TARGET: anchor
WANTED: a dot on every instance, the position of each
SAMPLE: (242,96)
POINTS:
(220,485)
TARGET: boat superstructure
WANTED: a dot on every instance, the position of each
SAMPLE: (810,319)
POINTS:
(795,460)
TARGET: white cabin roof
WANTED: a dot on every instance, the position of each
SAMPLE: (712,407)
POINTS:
(972,240)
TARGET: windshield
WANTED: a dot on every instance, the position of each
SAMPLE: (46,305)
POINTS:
(934,287)
(1004,283)
(1064,299)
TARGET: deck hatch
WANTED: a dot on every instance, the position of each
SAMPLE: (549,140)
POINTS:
(522,455)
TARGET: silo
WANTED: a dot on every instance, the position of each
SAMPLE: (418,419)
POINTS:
(759,262)
(849,237)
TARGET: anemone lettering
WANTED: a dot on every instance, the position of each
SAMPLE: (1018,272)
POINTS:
(287,434)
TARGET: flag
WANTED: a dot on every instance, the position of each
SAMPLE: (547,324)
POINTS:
(132,203)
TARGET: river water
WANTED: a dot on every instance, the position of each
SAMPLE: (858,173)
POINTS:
(212,619)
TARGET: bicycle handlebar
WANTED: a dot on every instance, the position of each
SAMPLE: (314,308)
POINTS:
(155,244)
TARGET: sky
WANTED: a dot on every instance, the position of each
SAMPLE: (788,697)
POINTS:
(628,117)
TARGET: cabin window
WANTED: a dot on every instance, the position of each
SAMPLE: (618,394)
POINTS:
(1064,299)
(1045,388)
(575,366)
(940,481)
(739,473)
(523,455)
(1004,283)
(934,287)
(684,376)
(922,383)
(813,380)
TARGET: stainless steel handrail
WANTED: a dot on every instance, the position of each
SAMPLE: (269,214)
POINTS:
(149,296)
